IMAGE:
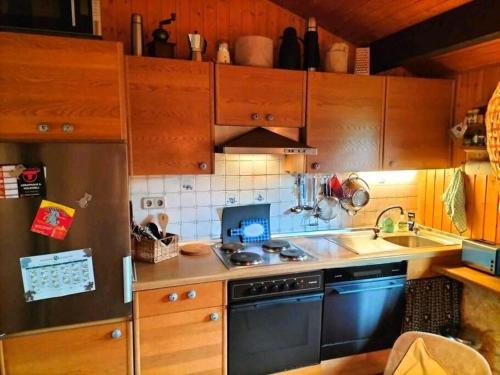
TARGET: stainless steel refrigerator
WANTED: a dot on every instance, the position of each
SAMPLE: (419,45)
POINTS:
(71,170)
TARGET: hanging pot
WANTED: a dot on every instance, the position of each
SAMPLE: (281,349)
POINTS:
(355,195)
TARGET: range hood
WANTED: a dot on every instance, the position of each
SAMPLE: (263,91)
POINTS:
(263,141)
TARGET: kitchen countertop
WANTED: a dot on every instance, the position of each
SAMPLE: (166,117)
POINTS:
(183,269)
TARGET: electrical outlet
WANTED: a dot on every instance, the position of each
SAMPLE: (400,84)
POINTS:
(152,202)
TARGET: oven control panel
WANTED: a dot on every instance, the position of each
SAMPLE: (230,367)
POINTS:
(273,286)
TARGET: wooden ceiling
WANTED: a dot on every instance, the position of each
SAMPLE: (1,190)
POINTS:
(363,21)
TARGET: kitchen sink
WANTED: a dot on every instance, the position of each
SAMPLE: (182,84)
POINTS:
(363,242)
(412,241)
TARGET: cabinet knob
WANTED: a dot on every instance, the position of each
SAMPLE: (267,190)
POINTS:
(392,163)
(316,166)
(116,334)
(67,127)
(43,127)
(214,316)
(172,297)
(203,166)
(255,116)
(191,294)
(269,117)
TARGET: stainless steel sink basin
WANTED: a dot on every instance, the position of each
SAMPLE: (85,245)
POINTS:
(411,241)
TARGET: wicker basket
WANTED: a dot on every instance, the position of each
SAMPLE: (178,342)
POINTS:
(493,131)
(152,251)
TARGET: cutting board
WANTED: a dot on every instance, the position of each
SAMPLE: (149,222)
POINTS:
(233,216)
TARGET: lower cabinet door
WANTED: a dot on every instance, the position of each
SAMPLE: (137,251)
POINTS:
(189,342)
(99,349)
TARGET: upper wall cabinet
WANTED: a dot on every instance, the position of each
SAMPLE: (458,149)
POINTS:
(170,116)
(54,88)
(417,122)
(247,96)
(345,115)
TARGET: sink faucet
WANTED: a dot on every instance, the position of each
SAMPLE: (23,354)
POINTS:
(382,213)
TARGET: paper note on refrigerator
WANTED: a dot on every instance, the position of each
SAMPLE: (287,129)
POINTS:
(53,220)
(57,274)
(22,180)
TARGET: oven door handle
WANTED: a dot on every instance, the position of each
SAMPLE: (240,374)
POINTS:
(348,289)
(263,304)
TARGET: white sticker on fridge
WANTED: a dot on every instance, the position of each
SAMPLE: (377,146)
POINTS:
(57,274)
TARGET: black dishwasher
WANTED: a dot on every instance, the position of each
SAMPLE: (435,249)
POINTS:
(363,308)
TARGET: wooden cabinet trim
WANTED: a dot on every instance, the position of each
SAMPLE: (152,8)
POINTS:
(2,360)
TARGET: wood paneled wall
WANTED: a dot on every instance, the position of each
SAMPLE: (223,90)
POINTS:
(216,20)
(482,204)
(473,88)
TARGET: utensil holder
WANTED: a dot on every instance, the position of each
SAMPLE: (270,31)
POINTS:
(154,251)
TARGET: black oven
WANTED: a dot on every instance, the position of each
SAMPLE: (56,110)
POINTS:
(52,16)
(274,323)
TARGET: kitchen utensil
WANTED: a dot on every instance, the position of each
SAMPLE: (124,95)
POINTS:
(160,47)
(195,249)
(289,54)
(327,208)
(254,50)
(362,61)
(311,46)
(153,229)
(253,230)
(163,221)
(309,192)
(355,194)
(336,58)
(223,55)
(147,219)
(298,187)
(198,46)
(232,217)
(136,34)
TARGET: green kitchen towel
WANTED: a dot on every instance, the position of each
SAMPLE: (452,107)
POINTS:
(454,201)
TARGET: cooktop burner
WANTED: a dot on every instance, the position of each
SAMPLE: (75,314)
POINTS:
(293,254)
(275,246)
(245,258)
(268,253)
(231,247)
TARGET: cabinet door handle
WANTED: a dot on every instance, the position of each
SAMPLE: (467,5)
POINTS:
(67,127)
(203,166)
(172,297)
(191,294)
(269,117)
(316,166)
(116,334)
(214,317)
(255,116)
(43,127)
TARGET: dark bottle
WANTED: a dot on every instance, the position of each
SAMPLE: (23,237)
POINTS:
(289,55)
(311,45)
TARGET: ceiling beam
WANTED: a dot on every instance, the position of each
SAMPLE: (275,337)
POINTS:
(466,25)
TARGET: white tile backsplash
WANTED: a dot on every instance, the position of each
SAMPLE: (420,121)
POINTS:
(194,203)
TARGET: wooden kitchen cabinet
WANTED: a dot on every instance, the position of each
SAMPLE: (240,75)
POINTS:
(62,89)
(180,330)
(345,116)
(97,349)
(417,123)
(248,96)
(171,121)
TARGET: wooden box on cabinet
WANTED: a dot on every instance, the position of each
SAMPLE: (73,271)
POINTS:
(63,89)
(248,96)
(170,116)
(96,349)
(345,115)
(180,330)
(417,123)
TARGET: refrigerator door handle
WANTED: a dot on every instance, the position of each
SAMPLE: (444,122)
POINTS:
(127,279)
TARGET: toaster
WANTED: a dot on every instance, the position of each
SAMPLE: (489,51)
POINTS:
(481,256)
